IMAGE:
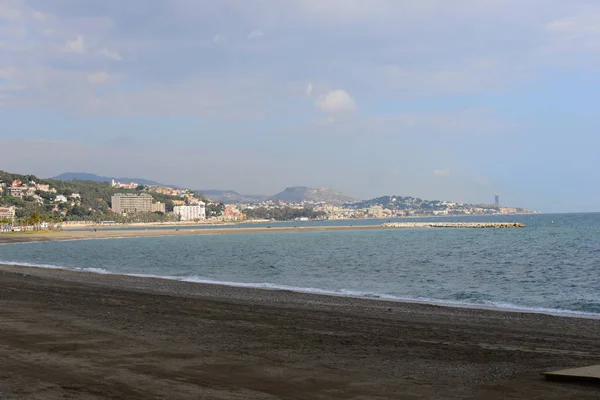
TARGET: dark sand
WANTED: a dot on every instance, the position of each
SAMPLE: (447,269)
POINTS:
(76,335)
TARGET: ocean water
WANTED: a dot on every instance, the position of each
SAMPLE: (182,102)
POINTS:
(552,266)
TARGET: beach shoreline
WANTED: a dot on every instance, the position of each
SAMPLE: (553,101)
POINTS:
(34,269)
(155,338)
(99,233)
(90,224)
(15,237)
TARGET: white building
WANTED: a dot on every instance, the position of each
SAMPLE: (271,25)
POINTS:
(7,213)
(60,199)
(191,213)
(16,192)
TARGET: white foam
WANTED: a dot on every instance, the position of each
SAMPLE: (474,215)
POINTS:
(94,238)
(34,242)
(488,305)
(50,266)
(95,270)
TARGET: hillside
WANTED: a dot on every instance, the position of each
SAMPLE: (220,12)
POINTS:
(230,196)
(69,200)
(317,195)
(396,203)
(84,176)
(417,206)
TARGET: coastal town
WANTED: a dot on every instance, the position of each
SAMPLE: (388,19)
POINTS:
(27,202)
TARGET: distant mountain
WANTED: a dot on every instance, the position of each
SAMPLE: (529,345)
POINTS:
(84,176)
(318,195)
(230,196)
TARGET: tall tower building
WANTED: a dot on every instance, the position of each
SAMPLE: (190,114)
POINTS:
(497,200)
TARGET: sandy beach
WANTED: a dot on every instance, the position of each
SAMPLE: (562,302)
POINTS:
(80,335)
(90,233)
(13,237)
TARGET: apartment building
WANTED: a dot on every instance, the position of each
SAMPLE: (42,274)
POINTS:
(131,203)
(159,207)
(191,213)
(16,192)
(7,212)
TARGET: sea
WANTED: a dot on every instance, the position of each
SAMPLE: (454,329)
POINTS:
(552,266)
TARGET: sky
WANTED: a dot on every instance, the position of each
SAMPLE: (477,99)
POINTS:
(448,100)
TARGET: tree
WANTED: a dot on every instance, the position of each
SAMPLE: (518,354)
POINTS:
(35,220)
(214,210)
(282,213)
(5,221)
(76,211)
(20,213)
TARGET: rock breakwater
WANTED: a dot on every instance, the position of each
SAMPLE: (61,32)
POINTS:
(453,225)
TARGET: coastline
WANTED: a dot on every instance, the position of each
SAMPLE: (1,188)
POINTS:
(11,238)
(14,237)
(154,338)
(89,224)
(99,233)
(34,269)
(164,285)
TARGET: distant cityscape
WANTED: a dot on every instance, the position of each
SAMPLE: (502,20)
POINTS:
(27,200)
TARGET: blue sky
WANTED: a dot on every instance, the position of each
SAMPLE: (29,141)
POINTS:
(438,99)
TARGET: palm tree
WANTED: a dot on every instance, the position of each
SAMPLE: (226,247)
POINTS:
(54,222)
(5,222)
(35,219)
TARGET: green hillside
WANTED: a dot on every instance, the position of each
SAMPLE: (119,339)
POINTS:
(93,202)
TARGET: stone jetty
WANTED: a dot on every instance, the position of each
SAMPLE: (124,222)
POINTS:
(453,225)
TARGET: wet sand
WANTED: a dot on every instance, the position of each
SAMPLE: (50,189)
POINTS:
(78,335)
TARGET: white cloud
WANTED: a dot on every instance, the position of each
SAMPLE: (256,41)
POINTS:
(325,121)
(441,172)
(575,34)
(309,89)
(9,73)
(336,101)
(485,63)
(393,33)
(113,55)
(454,123)
(77,45)
(40,16)
(98,77)
(469,76)
(346,10)
(8,13)
(255,34)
